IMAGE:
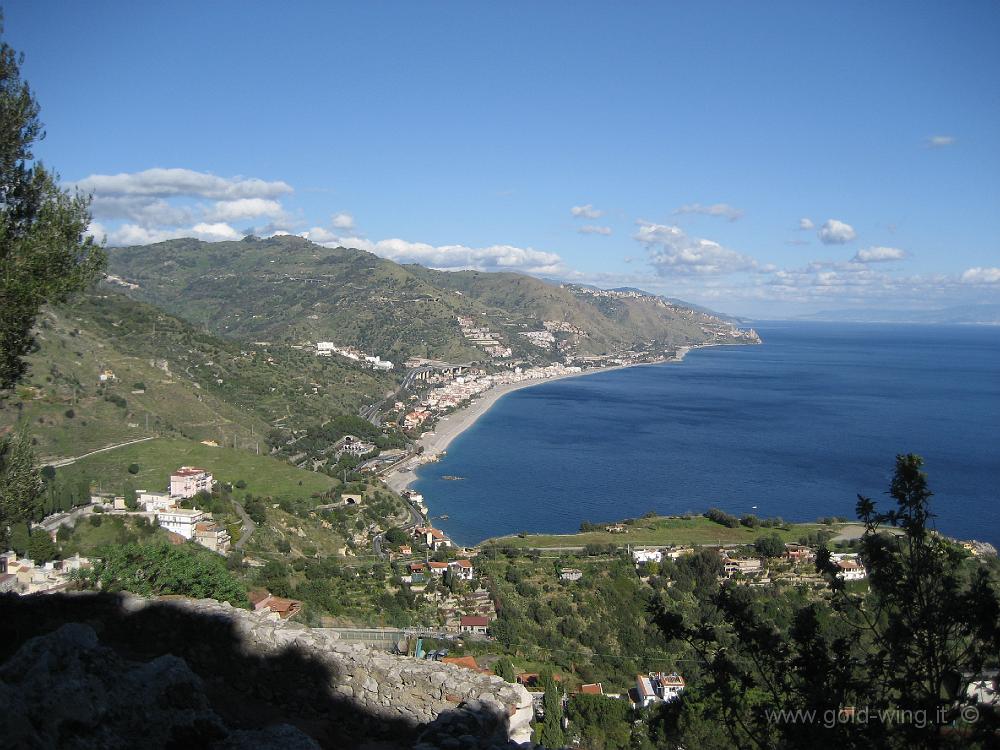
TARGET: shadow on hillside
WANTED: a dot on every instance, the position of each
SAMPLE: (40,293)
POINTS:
(246,690)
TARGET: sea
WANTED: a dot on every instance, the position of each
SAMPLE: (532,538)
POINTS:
(797,427)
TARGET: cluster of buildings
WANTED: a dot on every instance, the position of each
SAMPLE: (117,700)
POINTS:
(435,539)
(328,349)
(483,337)
(23,576)
(188,523)
(749,569)
(462,388)
(350,445)
(541,339)
(421,572)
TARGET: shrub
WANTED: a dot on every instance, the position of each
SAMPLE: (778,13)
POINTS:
(133,468)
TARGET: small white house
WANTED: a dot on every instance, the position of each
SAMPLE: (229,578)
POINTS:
(646,555)
(462,569)
(154,502)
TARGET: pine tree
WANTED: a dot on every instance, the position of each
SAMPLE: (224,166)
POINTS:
(44,255)
(21,485)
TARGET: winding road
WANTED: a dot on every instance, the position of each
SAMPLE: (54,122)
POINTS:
(248,526)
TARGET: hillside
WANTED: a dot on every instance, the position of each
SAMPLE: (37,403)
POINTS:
(287,289)
(165,377)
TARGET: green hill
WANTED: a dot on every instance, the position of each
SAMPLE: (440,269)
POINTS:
(167,377)
(287,289)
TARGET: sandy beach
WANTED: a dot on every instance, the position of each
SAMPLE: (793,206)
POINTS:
(454,424)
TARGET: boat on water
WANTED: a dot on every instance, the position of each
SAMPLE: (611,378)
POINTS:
(451,478)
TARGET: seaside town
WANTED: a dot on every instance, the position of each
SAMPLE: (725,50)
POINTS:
(460,592)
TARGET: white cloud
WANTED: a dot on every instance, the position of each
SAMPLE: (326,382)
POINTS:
(244,208)
(586,212)
(878,255)
(214,232)
(939,141)
(181,182)
(980,275)
(146,211)
(342,220)
(805,223)
(834,232)
(593,229)
(722,210)
(134,234)
(450,257)
(672,251)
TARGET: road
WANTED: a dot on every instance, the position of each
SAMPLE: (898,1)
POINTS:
(69,518)
(68,461)
(248,526)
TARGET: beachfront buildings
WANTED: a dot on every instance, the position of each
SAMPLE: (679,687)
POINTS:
(433,538)
(188,481)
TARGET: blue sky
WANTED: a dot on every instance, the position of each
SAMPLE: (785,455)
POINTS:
(765,159)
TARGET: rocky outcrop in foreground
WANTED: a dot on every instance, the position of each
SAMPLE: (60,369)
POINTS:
(91,670)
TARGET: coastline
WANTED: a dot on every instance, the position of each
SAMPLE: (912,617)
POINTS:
(454,424)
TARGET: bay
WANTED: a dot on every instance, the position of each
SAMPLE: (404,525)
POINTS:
(797,426)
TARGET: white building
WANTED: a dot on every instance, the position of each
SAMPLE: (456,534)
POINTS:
(379,364)
(851,569)
(657,686)
(646,556)
(188,481)
(461,569)
(153,502)
(180,520)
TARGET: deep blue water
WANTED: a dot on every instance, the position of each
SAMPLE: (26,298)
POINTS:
(798,427)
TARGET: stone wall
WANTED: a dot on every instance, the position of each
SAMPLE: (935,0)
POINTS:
(259,671)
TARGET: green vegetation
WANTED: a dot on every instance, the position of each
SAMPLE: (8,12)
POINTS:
(261,475)
(161,568)
(658,530)
(905,646)
(21,484)
(596,629)
(43,254)
(287,289)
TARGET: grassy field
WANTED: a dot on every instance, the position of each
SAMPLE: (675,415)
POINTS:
(157,458)
(664,531)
